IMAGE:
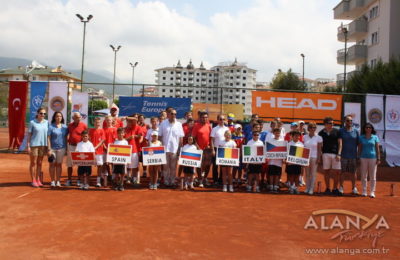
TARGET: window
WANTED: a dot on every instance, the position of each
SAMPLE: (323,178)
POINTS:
(243,97)
(374,38)
(231,71)
(243,91)
(197,92)
(373,12)
(163,95)
(373,63)
(231,77)
(184,73)
(163,84)
(171,78)
(163,78)
(210,81)
(172,72)
(209,93)
(244,78)
(237,96)
(184,79)
(231,91)
(244,85)
(197,80)
(184,91)
(238,70)
(237,83)
(164,72)
(231,84)
(171,90)
(209,99)
(197,74)
(244,71)
(163,90)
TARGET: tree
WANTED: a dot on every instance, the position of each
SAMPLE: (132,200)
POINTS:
(384,78)
(97,105)
(287,80)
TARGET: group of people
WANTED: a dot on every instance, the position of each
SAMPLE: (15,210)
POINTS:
(339,151)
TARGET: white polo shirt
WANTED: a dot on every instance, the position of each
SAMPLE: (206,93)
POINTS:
(170,133)
(218,133)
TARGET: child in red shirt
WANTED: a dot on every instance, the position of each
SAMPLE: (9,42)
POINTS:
(97,137)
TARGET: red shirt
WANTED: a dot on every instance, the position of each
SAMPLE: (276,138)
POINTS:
(116,123)
(187,131)
(110,136)
(135,130)
(96,136)
(202,134)
(288,138)
(144,143)
(75,131)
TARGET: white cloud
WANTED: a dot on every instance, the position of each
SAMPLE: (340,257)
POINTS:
(268,36)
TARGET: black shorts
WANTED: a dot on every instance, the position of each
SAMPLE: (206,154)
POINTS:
(84,170)
(140,154)
(188,170)
(254,168)
(119,169)
(274,170)
(293,169)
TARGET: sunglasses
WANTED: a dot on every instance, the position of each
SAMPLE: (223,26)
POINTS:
(368,127)
(349,120)
(256,135)
(312,127)
(329,123)
(42,113)
(174,114)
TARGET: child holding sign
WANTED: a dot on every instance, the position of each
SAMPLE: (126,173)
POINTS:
(187,170)
(119,169)
(275,165)
(293,170)
(97,137)
(254,170)
(227,170)
(84,171)
(154,169)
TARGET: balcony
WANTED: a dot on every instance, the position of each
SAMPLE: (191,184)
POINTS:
(340,77)
(350,9)
(356,54)
(357,30)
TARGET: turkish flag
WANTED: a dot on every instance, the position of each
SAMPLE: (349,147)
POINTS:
(17,112)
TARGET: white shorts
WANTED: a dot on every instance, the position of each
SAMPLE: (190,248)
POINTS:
(329,161)
(71,148)
(99,159)
(105,157)
(134,161)
(59,155)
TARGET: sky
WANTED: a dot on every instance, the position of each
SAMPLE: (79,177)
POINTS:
(267,35)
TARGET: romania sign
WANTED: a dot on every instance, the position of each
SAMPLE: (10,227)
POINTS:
(296,106)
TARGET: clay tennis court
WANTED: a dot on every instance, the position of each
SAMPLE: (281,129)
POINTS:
(67,223)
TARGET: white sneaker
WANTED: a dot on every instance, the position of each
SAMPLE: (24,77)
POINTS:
(248,188)
(230,188)
(98,184)
(276,187)
(78,183)
(68,183)
(258,189)
(372,195)
(224,189)
(355,191)
(364,194)
(270,187)
(58,184)
(311,192)
(201,185)
(191,186)
(53,184)
(186,186)
(341,189)
(86,186)
(291,190)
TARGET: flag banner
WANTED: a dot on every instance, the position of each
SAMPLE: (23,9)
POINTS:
(253,154)
(190,157)
(38,92)
(154,155)
(83,159)
(80,101)
(298,155)
(16,112)
(392,117)
(119,154)
(297,106)
(227,156)
(354,110)
(58,92)
(374,110)
(392,148)
(152,106)
(275,149)
(214,110)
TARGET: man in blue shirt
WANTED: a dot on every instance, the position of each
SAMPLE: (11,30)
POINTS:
(348,143)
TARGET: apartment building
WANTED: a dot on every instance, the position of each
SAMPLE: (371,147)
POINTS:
(226,83)
(371,32)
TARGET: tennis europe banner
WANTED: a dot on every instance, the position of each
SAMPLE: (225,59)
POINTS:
(392,117)
(154,155)
(80,102)
(227,156)
(253,154)
(275,149)
(16,112)
(58,92)
(38,92)
(119,154)
(190,157)
(83,158)
(374,110)
(298,155)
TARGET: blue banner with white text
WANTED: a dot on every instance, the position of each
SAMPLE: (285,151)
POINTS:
(152,106)
(38,92)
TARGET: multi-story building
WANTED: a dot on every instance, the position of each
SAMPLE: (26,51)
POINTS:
(372,32)
(37,72)
(226,83)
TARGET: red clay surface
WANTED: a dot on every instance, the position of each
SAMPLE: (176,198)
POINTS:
(68,223)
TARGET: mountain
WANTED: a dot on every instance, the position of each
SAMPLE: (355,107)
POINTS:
(89,76)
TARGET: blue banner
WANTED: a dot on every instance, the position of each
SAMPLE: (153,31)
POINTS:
(152,106)
(38,92)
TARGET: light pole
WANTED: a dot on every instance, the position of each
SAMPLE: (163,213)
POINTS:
(133,74)
(83,45)
(345,31)
(115,62)
(303,56)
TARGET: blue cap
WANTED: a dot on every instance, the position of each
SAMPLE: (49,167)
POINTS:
(294,124)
